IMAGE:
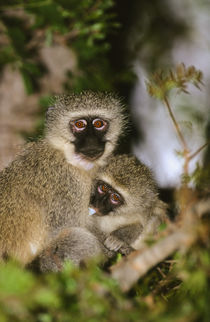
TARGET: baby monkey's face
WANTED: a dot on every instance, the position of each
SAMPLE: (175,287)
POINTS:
(104,199)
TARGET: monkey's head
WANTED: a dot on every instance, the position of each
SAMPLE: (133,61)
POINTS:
(85,127)
(125,186)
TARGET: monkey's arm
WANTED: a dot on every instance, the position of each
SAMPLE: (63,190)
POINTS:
(121,239)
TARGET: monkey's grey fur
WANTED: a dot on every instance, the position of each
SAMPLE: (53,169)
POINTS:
(48,186)
(123,229)
(76,244)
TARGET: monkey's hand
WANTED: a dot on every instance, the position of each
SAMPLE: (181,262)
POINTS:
(112,243)
(126,249)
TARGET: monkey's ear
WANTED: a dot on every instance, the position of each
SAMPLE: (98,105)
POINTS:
(50,108)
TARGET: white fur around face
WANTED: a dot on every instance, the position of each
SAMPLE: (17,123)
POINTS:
(79,161)
(75,159)
(71,157)
(91,113)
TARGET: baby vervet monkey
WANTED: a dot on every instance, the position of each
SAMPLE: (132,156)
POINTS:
(124,205)
(124,210)
(47,187)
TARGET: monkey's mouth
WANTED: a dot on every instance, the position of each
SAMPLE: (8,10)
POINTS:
(86,160)
(91,157)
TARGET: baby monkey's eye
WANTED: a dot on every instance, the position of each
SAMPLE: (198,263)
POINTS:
(99,124)
(80,125)
(102,188)
(115,198)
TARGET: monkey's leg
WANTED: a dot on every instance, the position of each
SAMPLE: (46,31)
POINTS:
(22,232)
(75,244)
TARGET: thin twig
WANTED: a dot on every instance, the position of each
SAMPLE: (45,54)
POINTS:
(180,135)
(161,272)
(198,151)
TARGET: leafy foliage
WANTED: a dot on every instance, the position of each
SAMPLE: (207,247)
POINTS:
(84,25)
(177,289)
(162,83)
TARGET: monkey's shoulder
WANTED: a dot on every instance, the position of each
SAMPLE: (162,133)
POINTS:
(42,170)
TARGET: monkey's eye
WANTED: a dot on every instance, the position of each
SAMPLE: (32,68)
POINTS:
(99,124)
(115,198)
(80,125)
(102,188)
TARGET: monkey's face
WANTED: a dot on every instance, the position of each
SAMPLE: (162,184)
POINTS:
(124,189)
(85,127)
(104,199)
(89,136)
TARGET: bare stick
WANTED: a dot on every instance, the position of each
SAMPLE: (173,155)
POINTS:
(128,271)
(181,137)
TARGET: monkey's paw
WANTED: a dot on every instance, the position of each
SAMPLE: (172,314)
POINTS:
(126,250)
(113,243)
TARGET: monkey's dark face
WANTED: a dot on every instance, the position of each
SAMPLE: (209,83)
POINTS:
(104,199)
(89,134)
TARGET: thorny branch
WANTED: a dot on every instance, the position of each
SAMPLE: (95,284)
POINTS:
(130,269)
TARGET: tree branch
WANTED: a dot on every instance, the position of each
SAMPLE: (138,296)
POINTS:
(130,269)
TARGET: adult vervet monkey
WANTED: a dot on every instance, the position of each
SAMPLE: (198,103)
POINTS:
(48,185)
